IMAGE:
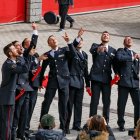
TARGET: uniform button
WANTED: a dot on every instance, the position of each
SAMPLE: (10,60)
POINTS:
(103,70)
(105,60)
(132,70)
(104,65)
(56,65)
(55,60)
(57,70)
(106,55)
(132,65)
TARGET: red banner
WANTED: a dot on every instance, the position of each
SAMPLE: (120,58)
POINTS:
(89,5)
(12,10)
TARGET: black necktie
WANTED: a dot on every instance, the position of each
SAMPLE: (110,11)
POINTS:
(129,51)
(55,53)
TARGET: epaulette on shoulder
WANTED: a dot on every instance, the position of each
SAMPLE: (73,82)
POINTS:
(46,53)
(8,61)
(95,44)
(120,49)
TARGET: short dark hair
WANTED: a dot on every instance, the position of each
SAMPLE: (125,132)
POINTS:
(105,32)
(14,42)
(49,38)
(125,38)
(7,49)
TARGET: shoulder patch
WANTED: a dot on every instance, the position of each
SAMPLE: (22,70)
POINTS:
(8,61)
(120,49)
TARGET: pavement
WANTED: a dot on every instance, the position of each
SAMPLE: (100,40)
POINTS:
(119,23)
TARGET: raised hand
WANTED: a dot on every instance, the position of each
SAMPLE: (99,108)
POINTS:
(80,33)
(34,26)
(136,56)
(66,37)
(32,51)
(43,57)
(101,49)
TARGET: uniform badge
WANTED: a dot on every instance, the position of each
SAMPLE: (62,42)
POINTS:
(112,54)
(14,66)
(62,55)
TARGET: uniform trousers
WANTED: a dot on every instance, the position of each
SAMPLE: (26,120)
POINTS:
(97,88)
(6,119)
(123,93)
(32,101)
(20,116)
(63,12)
(75,99)
(62,103)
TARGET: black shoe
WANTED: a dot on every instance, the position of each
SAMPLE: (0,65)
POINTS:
(121,129)
(67,131)
(28,132)
(71,24)
(77,128)
(13,137)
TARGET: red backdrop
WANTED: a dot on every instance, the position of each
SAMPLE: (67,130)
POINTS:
(89,5)
(12,10)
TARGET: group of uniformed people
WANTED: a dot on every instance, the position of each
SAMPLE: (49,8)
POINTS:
(18,93)
(68,74)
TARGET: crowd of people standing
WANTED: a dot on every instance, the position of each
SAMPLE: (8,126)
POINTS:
(68,75)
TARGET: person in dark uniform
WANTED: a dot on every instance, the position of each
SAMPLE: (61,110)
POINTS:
(10,70)
(22,104)
(63,12)
(59,79)
(78,66)
(32,94)
(128,71)
(34,65)
(103,57)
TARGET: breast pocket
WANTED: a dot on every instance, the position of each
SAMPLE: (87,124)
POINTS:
(61,57)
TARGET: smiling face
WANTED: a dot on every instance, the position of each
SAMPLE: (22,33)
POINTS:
(128,42)
(105,37)
(52,42)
